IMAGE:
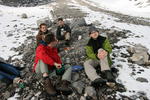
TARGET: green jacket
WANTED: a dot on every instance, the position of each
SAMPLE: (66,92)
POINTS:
(106,46)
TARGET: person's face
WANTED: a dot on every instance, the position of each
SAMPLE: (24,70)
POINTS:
(60,23)
(94,34)
(43,28)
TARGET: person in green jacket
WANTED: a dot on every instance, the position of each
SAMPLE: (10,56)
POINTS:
(98,49)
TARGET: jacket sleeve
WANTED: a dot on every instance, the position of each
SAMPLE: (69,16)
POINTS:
(45,58)
(68,29)
(90,53)
(38,38)
(107,46)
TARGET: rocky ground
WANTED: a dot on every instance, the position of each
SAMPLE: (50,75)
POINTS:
(80,83)
(25,3)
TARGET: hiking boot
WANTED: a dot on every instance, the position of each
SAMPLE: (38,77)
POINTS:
(64,87)
(49,87)
(98,82)
(110,78)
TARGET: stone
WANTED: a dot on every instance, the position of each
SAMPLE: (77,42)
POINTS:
(2,60)
(78,22)
(24,3)
(45,20)
(137,48)
(90,91)
(140,58)
(9,35)
(83,98)
(75,76)
(134,97)
(140,54)
(24,16)
(111,31)
(7,94)
(79,85)
(141,79)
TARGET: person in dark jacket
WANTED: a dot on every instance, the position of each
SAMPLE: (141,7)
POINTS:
(98,50)
(47,60)
(43,30)
(63,31)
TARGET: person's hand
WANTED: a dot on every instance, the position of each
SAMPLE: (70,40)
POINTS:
(65,33)
(102,54)
(58,66)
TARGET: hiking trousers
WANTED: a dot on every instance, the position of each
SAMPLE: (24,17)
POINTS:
(8,71)
(90,65)
(43,68)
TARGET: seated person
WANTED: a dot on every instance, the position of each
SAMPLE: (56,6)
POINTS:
(63,31)
(9,73)
(43,30)
(47,61)
(98,50)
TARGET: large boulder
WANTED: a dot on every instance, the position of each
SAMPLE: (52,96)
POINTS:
(45,20)
(78,22)
(140,54)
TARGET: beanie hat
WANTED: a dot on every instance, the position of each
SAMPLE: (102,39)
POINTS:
(92,29)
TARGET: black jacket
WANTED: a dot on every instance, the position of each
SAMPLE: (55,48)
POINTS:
(66,28)
(97,43)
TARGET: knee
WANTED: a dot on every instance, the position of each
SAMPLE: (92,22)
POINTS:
(87,63)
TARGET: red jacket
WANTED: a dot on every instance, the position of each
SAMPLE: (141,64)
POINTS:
(47,54)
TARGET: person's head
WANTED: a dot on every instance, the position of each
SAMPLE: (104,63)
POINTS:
(60,22)
(93,32)
(43,27)
(51,40)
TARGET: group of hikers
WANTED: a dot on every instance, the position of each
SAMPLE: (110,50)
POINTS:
(47,59)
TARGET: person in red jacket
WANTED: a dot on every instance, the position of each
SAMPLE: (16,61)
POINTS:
(48,60)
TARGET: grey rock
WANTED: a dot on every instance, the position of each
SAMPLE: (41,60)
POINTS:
(141,93)
(141,79)
(140,54)
(79,85)
(24,16)
(2,60)
(126,99)
(75,76)
(111,31)
(7,94)
(134,97)
(9,35)
(90,91)
(45,20)
(83,98)
(78,22)
(24,3)
(28,97)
